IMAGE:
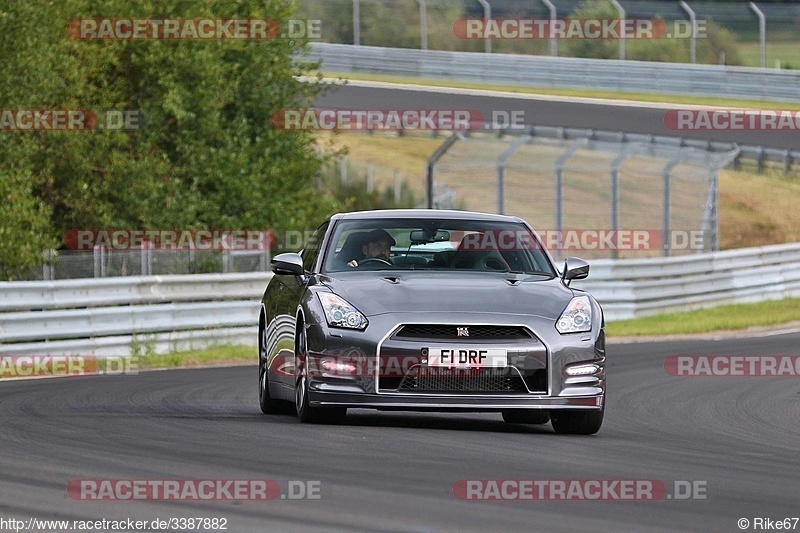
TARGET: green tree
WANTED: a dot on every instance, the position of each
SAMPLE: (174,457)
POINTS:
(207,155)
(594,48)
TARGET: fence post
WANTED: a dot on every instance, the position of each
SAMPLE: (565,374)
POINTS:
(560,163)
(265,240)
(501,189)
(147,267)
(693,36)
(710,218)
(99,261)
(623,155)
(621,12)
(487,14)
(551,29)
(47,265)
(666,238)
(423,24)
(431,162)
(762,33)
(502,161)
(356,23)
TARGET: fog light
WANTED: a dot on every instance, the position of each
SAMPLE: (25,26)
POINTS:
(582,370)
(337,367)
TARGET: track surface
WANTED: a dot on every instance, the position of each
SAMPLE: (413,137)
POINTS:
(395,471)
(640,118)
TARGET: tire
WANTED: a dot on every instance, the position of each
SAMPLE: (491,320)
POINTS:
(269,406)
(583,422)
(526,416)
(305,412)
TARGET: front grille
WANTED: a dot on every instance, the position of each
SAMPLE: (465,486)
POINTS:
(447,331)
(439,379)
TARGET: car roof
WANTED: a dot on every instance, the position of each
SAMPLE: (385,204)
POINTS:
(424,213)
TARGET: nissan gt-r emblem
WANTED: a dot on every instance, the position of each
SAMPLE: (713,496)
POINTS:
(462,332)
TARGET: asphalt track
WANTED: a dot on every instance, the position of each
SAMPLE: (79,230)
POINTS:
(571,113)
(396,471)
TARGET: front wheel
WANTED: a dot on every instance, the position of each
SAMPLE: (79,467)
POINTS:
(315,415)
(305,412)
(579,422)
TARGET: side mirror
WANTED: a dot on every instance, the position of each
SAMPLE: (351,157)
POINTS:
(289,264)
(575,268)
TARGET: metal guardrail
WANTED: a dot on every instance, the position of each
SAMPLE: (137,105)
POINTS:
(633,288)
(110,316)
(132,290)
(563,72)
(114,316)
(758,156)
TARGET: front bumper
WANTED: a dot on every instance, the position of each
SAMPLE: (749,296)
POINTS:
(319,397)
(545,353)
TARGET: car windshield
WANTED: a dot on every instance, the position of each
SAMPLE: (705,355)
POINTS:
(435,244)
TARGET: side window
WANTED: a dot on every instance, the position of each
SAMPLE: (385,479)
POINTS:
(311,250)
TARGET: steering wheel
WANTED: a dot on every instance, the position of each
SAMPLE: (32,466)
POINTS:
(374,260)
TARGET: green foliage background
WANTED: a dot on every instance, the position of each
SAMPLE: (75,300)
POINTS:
(717,39)
(207,156)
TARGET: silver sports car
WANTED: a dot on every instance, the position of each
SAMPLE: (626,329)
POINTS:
(431,310)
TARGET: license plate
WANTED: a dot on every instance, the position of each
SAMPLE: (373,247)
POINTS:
(467,357)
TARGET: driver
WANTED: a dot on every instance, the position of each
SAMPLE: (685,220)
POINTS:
(378,245)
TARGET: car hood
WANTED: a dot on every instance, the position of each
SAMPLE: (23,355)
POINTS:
(451,292)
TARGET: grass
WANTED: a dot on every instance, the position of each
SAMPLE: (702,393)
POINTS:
(80,365)
(758,209)
(787,52)
(226,354)
(581,93)
(722,318)
(406,154)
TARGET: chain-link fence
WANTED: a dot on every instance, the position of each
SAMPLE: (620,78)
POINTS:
(589,196)
(102,262)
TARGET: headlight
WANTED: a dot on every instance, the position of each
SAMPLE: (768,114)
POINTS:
(340,313)
(577,317)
